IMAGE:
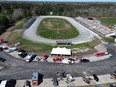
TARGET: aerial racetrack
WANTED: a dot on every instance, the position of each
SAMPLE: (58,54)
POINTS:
(85,35)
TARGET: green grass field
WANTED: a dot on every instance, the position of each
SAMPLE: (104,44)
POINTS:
(20,26)
(56,28)
(40,48)
(107,21)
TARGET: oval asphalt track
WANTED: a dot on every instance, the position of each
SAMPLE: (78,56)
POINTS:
(85,34)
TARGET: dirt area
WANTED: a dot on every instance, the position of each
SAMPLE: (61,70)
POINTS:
(49,25)
(6,34)
(81,54)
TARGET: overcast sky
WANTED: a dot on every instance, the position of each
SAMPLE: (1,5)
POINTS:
(66,0)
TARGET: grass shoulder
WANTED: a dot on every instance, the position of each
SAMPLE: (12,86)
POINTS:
(40,48)
(109,40)
(108,20)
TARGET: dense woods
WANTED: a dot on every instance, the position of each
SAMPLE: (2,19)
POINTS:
(14,11)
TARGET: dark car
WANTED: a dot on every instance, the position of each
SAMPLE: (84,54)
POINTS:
(55,81)
(113,36)
(2,60)
(11,83)
(1,49)
(27,84)
(22,54)
(71,59)
(86,80)
(112,85)
(21,50)
(95,77)
(84,61)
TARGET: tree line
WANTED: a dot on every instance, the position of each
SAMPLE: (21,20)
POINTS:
(13,11)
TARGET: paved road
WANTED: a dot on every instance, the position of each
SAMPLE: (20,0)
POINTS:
(20,69)
(85,34)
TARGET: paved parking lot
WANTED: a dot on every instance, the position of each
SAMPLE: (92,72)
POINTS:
(104,79)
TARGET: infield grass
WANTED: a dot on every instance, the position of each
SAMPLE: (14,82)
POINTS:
(56,28)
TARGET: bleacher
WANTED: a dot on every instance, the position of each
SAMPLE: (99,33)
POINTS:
(67,43)
(95,26)
(30,22)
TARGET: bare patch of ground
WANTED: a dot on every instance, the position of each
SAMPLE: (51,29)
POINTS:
(50,26)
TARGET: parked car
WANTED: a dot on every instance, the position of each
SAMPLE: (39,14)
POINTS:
(32,58)
(57,59)
(22,54)
(27,84)
(84,60)
(113,36)
(18,44)
(112,85)
(2,60)
(100,54)
(95,77)
(69,77)
(11,83)
(8,49)
(29,56)
(1,49)
(3,83)
(86,80)
(66,61)
(55,81)
(21,50)
(71,61)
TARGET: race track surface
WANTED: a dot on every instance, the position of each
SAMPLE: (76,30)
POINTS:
(85,34)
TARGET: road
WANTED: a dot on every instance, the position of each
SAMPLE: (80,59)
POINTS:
(85,34)
(20,69)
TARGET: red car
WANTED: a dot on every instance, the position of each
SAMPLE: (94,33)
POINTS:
(100,54)
(57,59)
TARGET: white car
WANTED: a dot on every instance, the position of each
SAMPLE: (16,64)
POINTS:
(69,77)
(66,61)
(29,56)
(18,44)
(3,83)
(8,50)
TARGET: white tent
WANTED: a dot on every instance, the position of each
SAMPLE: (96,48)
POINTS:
(61,51)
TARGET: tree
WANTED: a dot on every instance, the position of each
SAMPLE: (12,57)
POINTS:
(17,14)
(4,21)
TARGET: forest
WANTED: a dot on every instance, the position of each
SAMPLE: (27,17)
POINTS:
(10,12)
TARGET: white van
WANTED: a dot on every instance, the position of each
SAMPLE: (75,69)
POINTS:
(3,83)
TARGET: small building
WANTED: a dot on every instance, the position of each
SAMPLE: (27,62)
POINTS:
(61,51)
(35,81)
(37,78)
